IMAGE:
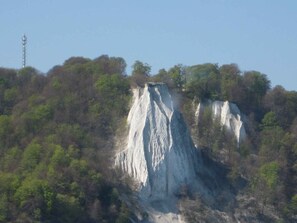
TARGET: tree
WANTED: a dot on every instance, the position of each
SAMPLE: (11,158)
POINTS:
(203,81)
(109,65)
(31,157)
(36,117)
(282,102)
(256,82)
(140,68)
(6,131)
(35,197)
(76,60)
(269,121)
(177,74)
(140,73)
(77,65)
(266,182)
(293,205)
(163,76)
(256,85)
(232,86)
(269,174)
(8,82)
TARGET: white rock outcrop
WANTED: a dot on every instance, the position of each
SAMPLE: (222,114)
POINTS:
(229,115)
(159,154)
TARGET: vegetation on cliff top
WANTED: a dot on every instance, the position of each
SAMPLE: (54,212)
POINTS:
(57,136)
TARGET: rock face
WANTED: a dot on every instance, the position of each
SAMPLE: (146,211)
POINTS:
(229,116)
(159,154)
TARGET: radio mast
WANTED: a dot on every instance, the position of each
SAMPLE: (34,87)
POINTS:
(24,43)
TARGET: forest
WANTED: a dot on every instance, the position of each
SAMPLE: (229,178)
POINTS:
(58,130)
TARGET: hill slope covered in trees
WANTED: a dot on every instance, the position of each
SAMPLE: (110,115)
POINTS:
(57,135)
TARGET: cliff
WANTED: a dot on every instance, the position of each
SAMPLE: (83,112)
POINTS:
(229,116)
(160,154)
(161,158)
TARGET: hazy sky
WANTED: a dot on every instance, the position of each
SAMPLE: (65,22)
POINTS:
(256,34)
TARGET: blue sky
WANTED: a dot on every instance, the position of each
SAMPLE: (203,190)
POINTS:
(256,34)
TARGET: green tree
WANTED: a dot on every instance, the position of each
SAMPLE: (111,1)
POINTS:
(68,209)
(76,60)
(256,85)
(163,76)
(269,121)
(203,81)
(232,85)
(31,157)
(293,205)
(6,131)
(8,82)
(114,95)
(35,197)
(109,65)
(11,159)
(9,183)
(140,68)
(266,183)
(59,160)
(177,74)
(282,102)
(140,73)
(36,117)
(269,173)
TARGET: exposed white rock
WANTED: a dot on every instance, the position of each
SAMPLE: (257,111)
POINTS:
(229,116)
(160,154)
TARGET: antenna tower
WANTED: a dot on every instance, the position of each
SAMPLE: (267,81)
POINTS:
(24,43)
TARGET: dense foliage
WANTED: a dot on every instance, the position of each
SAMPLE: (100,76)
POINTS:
(57,136)
(55,142)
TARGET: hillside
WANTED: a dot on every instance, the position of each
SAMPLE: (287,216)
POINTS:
(58,136)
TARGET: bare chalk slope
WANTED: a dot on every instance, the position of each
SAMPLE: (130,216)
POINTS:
(160,154)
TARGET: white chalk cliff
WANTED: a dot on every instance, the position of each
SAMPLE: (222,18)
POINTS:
(159,154)
(229,116)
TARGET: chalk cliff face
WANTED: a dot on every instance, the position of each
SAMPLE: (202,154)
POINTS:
(229,116)
(160,154)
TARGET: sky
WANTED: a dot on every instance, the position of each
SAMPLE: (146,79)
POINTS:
(257,35)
